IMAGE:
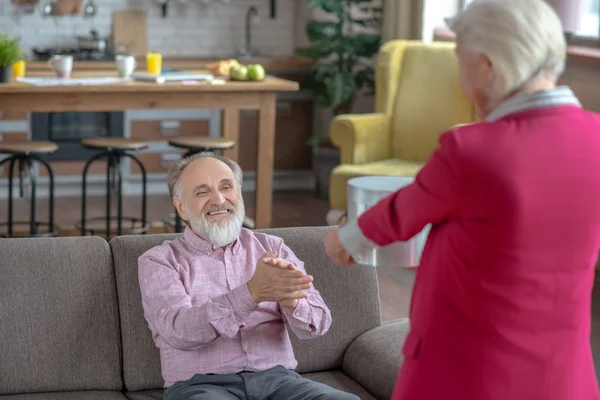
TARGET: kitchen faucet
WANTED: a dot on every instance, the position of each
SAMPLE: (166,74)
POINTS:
(251,15)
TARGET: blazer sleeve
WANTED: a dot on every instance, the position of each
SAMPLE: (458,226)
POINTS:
(433,197)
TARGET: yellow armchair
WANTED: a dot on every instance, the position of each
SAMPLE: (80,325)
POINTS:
(418,97)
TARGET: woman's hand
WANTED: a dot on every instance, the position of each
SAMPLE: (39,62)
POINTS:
(334,248)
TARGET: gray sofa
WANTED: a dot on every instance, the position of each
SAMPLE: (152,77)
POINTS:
(71,322)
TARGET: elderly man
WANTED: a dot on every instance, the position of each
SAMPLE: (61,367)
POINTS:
(219,299)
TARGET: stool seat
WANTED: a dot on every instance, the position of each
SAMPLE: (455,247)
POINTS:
(113,143)
(203,143)
(28,147)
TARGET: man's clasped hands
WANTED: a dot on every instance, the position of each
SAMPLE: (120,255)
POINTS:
(276,279)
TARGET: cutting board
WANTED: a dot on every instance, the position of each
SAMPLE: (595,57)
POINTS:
(129,32)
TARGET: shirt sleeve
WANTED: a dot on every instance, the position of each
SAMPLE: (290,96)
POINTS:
(170,313)
(311,318)
(430,199)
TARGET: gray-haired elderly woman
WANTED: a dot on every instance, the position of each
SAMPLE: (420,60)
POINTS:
(501,305)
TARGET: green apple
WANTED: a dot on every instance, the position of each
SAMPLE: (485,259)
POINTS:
(256,72)
(238,73)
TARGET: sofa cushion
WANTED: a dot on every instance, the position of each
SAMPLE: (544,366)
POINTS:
(59,313)
(350,292)
(335,379)
(145,395)
(89,395)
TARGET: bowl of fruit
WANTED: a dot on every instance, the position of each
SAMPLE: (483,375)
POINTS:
(251,72)
(238,72)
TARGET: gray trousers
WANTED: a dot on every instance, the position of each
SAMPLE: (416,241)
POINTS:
(277,383)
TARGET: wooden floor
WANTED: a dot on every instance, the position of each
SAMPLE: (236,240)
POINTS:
(289,209)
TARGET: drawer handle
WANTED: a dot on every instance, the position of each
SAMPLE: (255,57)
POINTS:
(168,158)
(170,128)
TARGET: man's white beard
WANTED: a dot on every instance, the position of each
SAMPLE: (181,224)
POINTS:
(219,233)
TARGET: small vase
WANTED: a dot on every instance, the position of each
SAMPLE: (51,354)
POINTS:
(5,74)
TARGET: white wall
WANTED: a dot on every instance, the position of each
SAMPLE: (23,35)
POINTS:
(193,29)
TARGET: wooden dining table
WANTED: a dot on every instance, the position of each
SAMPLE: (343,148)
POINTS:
(229,97)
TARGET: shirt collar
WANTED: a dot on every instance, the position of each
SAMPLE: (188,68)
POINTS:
(558,96)
(205,246)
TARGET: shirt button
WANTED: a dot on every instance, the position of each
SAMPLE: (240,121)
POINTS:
(242,326)
(297,314)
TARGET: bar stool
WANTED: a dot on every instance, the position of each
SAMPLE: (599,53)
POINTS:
(25,153)
(114,150)
(194,145)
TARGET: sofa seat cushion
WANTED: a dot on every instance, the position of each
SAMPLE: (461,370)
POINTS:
(82,395)
(340,381)
(145,395)
(335,379)
(343,173)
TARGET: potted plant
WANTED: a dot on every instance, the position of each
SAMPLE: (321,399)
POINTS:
(10,52)
(343,46)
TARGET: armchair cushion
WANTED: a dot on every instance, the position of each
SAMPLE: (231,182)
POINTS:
(362,138)
(344,172)
(374,358)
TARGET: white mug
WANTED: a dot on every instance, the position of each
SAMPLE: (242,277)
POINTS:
(62,65)
(125,65)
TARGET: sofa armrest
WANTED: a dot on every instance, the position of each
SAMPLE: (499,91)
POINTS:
(362,138)
(374,358)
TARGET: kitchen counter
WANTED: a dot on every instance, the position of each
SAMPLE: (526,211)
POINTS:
(270,63)
(269,84)
(230,97)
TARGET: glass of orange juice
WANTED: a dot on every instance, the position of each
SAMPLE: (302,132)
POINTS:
(18,69)
(154,63)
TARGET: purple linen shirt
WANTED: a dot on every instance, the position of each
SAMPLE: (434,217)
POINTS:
(202,317)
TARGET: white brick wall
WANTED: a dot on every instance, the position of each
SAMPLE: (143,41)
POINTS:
(192,29)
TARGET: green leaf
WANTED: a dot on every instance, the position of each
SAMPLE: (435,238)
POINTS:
(319,30)
(332,6)
(320,49)
(365,45)
(377,10)
(323,71)
(10,51)
(341,88)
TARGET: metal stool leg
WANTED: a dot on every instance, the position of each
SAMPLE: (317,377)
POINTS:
(51,230)
(33,182)
(84,187)
(144,187)
(11,160)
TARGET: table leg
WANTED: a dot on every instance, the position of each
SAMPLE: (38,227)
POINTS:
(230,123)
(265,160)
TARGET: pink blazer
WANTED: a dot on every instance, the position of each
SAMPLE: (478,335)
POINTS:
(501,303)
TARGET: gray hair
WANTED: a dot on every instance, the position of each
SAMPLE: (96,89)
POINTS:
(524,39)
(176,169)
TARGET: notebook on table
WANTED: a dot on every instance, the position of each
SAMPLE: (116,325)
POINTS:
(175,76)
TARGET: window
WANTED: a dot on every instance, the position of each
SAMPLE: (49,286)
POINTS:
(590,21)
(584,22)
